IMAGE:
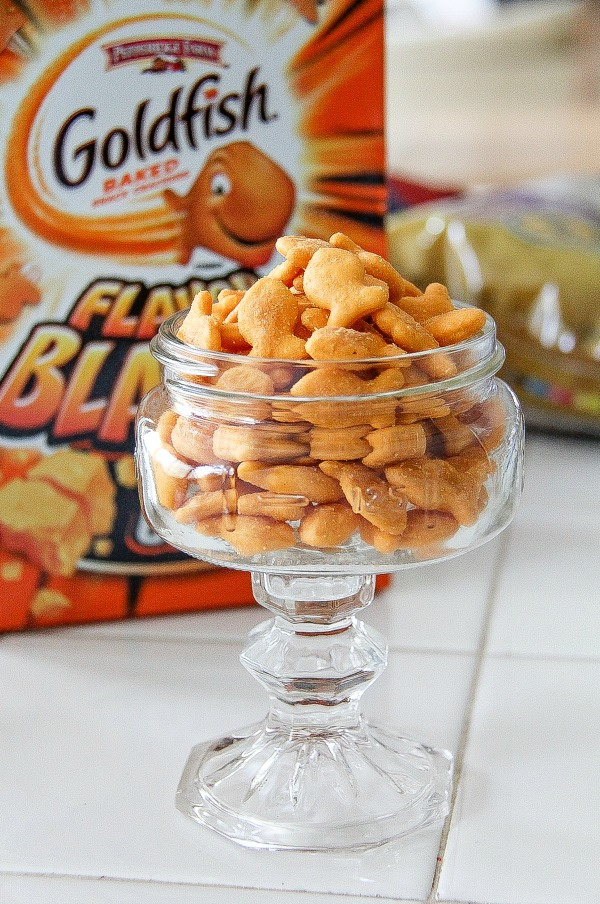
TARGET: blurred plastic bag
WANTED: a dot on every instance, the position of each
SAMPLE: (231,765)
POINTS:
(531,257)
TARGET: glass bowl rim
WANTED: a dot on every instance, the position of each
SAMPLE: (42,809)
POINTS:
(184,358)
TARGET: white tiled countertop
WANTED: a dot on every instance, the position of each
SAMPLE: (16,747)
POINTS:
(495,655)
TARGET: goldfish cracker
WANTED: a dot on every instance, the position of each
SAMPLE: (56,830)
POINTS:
(456,436)
(286,271)
(335,279)
(246,378)
(331,343)
(420,407)
(171,473)
(328,525)
(194,440)
(369,495)
(456,325)
(165,424)
(423,529)
(376,266)
(304,481)
(234,443)
(199,326)
(280,506)
(435,484)
(333,381)
(313,319)
(390,444)
(266,317)
(226,303)
(493,423)
(380,540)
(435,300)
(405,331)
(205,505)
(298,249)
(473,461)
(339,443)
(249,535)
(282,376)
(232,340)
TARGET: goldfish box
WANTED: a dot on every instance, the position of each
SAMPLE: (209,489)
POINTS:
(148,153)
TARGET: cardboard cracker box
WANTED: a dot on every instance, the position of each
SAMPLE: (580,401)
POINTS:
(147,153)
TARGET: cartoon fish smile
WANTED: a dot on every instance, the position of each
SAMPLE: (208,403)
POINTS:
(238,205)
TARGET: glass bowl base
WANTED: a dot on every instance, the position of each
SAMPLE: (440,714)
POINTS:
(356,786)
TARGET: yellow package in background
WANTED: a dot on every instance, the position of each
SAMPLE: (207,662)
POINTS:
(531,257)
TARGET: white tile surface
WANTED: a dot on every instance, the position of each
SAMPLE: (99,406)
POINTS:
(94,732)
(16,889)
(562,480)
(228,625)
(526,829)
(548,597)
(438,607)
(96,723)
(548,594)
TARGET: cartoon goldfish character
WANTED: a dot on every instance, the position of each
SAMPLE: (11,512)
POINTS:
(238,205)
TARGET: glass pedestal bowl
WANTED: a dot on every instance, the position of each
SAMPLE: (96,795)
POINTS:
(315,477)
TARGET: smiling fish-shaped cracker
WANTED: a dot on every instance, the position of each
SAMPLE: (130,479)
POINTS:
(238,205)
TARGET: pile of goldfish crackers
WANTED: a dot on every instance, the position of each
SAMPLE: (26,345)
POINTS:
(404,470)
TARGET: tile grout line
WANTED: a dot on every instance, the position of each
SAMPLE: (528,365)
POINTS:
(466,726)
(82,877)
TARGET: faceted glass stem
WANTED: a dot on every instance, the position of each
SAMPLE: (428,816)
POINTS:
(315,774)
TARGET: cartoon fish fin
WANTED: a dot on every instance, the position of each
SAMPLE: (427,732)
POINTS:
(177,203)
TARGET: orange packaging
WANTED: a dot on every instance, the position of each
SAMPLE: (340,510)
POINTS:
(150,150)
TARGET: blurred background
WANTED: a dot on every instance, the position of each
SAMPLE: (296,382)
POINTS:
(491,91)
(493,142)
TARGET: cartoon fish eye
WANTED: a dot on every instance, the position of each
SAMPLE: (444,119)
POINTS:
(220,184)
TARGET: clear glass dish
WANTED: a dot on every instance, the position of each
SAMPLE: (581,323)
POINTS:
(315,476)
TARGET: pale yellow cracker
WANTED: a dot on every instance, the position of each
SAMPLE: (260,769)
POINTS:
(292,480)
(240,443)
(328,526)
(369,495)
(435,300)
(331,343)
(456,326)
(335,279)
(250,535)
(194,440)
(397,443)
(280,506)
(266,318)
(298,249)
(339,443)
